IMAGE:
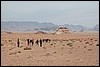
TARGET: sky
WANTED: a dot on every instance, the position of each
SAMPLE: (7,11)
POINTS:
(84,13)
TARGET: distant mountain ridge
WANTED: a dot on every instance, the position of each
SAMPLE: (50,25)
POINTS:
(96,27)
(26,26)
(36,26)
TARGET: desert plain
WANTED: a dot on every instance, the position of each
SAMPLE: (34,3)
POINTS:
(73,49)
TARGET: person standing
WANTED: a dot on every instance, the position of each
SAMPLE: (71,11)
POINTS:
(18,42)
(28,42)
(40,43)
(37,42)
(32,42)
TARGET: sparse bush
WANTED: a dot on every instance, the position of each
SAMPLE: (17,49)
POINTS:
(10,48)
(86,42)
(27,48)
(80,41)
(12,53)
(95,40)
(91,39)
(97,45)
(73,41)
(51,44)
(70,44)
(9,40)
(89,49)
(54,52)
(2,44)
(19,52)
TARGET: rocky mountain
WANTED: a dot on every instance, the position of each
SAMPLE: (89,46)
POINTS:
(75,27)
(96,27)
(36,26)
(26,26)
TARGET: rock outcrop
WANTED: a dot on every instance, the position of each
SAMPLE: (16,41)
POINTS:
(62,30)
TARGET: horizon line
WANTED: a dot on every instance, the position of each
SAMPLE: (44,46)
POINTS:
(48,22)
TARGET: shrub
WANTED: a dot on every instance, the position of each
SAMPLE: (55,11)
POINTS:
(80,41)
(54,52)
(2,44)
(97,45)
(10,48)
(89,49)
(91,39)
(70,44)
(9,40)
(19,52)
(86,42)
(95,40)
(12,53)
(27,48)
(51,44)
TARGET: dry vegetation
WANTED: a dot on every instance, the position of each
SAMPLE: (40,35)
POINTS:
(73,49)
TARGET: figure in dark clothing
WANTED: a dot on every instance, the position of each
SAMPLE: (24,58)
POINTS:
(28,41)
(31,41)
(40,43)
(37,42)
(18,42)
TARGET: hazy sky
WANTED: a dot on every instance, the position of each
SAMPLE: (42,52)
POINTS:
(85,13)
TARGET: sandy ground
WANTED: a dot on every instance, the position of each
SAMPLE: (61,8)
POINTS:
(74,49)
